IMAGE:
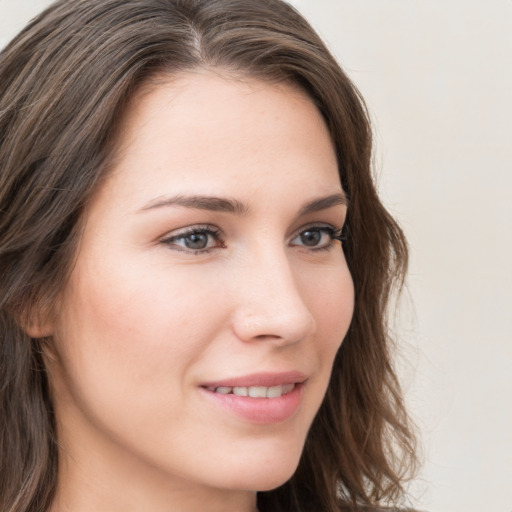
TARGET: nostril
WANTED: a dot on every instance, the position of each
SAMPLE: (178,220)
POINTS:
(266,336)
(283,329)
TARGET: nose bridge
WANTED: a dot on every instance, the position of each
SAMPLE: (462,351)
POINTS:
(270,304)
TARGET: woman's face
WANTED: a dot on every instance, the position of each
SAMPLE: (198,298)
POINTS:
(207,271)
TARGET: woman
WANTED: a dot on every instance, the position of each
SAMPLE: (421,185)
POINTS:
(189,232)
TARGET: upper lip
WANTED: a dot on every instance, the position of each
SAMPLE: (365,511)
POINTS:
(266,379)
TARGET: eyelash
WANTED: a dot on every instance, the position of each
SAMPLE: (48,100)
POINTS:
(206,230)
(334,234)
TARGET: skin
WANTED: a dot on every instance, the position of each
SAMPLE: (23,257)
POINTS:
(144,319)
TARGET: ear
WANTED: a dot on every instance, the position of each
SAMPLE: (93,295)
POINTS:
(38,329)
(37,322)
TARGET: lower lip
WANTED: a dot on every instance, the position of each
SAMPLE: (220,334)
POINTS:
(261,411)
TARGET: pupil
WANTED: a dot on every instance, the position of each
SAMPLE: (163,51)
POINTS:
(311,238)
(196,241)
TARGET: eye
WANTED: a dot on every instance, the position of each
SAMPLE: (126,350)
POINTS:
(195,240)
(317,237)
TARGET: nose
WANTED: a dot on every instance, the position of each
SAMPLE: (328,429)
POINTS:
(269,304)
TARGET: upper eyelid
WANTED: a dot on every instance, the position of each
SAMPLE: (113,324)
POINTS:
(176,233)
(170,238)
(334,234)
(313,225)
(218,233)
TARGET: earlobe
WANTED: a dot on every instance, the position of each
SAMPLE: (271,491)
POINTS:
(37,324)
(36,330)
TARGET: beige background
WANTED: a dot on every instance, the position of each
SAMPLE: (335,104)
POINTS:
(437,76)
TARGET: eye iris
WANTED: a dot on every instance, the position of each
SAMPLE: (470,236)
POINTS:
(196,240)
(311,238)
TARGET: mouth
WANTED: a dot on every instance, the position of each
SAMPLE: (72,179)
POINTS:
(254,391)
(262,399)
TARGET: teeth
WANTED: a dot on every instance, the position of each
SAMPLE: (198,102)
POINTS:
(255,391)
(275,391)
(258,392)
(287,388)
(240,391)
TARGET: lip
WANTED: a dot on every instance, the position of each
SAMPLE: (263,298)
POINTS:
(266,379)
(258,411)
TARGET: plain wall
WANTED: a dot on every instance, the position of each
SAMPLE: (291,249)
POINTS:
(437,77)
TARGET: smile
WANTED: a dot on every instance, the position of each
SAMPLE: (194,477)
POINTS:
(260,399)
(254,391)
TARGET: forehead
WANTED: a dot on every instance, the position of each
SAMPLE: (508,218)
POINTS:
(205,132)
(203,98)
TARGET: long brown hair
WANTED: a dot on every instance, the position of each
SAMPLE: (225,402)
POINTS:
(64,83)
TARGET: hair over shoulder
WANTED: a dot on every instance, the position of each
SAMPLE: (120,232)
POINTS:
(65,81)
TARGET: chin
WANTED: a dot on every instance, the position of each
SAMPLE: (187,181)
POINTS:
(266,479)
(273,483)
(263,473)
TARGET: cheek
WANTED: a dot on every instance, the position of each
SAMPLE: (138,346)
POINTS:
(132,330)
(126,342)
(332,304)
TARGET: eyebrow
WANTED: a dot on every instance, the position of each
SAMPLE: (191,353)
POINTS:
(221,204)
(213,204)
(324,203)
